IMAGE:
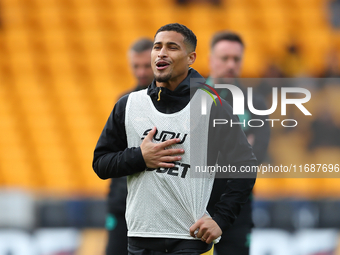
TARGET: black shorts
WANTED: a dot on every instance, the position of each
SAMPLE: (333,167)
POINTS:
(166,246)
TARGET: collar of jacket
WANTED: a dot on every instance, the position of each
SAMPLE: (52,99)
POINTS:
(210,82)
(182,90)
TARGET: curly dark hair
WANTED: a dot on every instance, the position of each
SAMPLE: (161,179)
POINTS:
(189,37)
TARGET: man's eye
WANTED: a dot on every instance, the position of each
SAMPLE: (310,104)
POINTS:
(156,47)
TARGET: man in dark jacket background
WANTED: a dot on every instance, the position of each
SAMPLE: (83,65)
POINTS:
(139,57)
(226,58)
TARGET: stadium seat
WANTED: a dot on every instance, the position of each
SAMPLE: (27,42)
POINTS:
(274,4)
(267,188)
(238,19)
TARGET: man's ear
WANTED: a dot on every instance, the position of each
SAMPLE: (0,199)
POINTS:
(191,58)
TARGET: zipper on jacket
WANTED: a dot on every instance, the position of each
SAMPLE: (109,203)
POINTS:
(159,95)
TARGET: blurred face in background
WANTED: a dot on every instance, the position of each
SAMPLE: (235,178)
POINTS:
(140,63)
(226,59)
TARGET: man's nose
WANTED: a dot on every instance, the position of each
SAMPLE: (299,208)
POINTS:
(163,52)
(231,64)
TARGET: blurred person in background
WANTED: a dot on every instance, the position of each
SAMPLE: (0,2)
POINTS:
(226,57)
(139,56)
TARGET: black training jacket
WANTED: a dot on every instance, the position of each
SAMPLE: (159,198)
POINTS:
(113,159)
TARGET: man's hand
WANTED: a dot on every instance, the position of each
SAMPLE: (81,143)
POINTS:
(155,155)
(208,230)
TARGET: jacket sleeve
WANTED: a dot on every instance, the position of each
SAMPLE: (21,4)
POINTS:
(261,134)
(228,146)
(112,158)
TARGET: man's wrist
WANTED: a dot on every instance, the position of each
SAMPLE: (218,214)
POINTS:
(138,160)
(221,222)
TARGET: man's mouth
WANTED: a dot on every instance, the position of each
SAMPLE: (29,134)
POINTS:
(160,65)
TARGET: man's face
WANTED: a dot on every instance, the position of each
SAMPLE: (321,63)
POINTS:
(141,67)
(226,59)
(170,58)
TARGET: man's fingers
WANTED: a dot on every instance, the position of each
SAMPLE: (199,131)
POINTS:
(170,152)
(170,159)
(205,237)
(156,155)
(209,239)
(169,142)
(193,228)
(166,165)
(201,232)
(151,133)
(206,229)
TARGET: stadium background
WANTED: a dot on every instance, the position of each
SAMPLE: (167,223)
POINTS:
(63,64)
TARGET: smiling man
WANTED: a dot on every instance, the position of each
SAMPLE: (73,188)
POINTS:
(147,138)
(171,56)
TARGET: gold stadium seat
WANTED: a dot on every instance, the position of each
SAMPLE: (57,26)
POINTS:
(84,3)
(238,19)
(15,159)
(274,4)
(242,4)
(314,54)
(330,188)
(303,188)
(268,188)
(58,173)
(302,4)
(10,3)
(314,17)
(274,18)
(19,173)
